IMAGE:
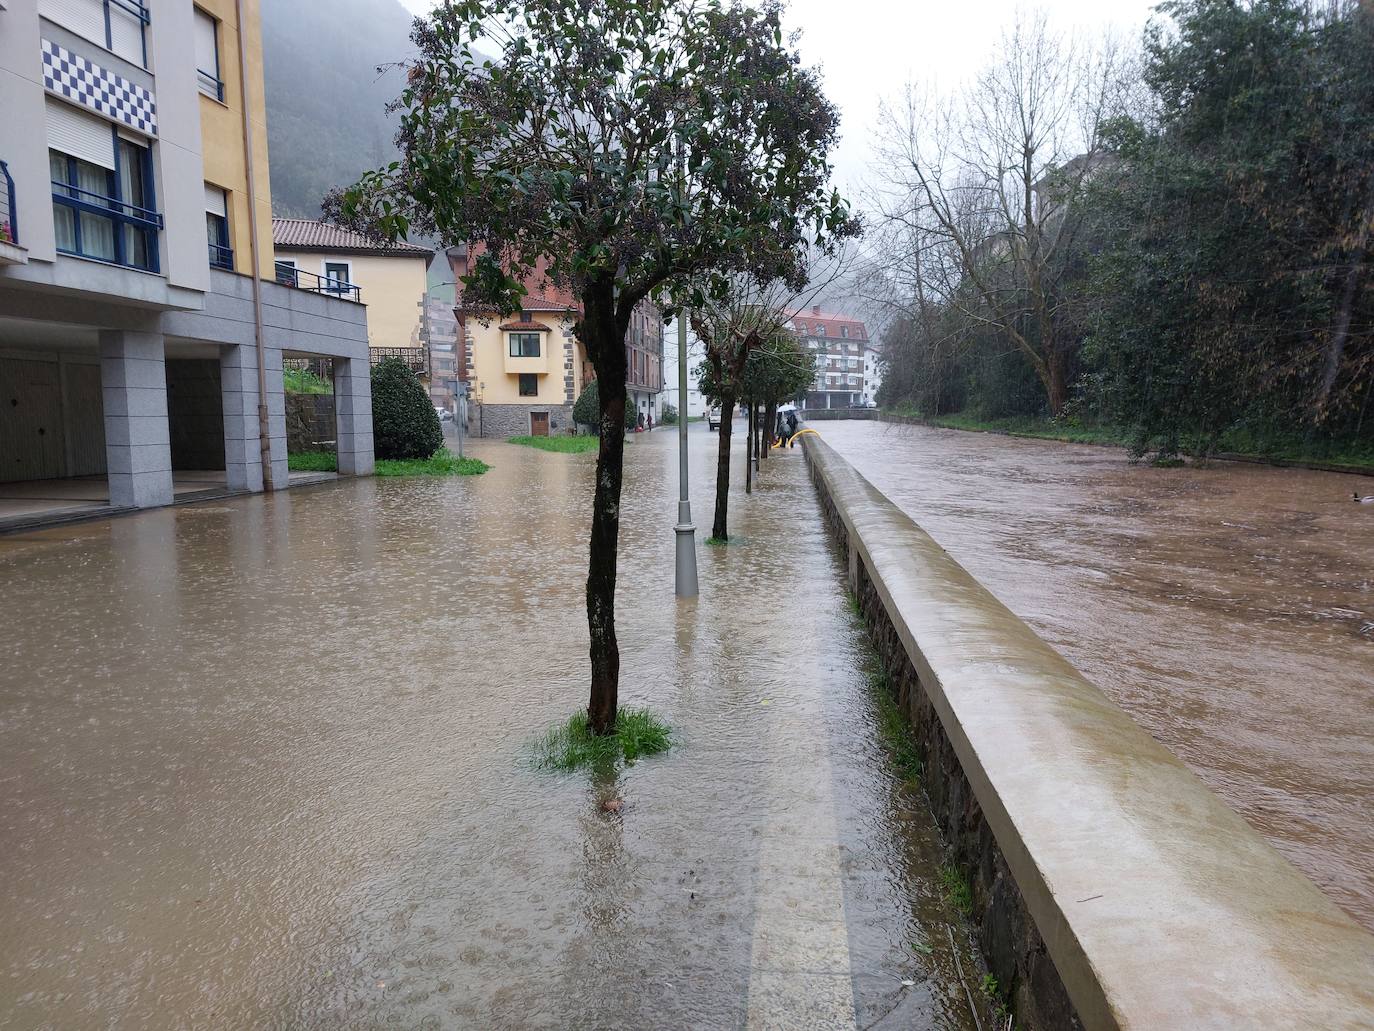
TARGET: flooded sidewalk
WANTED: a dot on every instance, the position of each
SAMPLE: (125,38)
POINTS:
(266,763)
(1222,607)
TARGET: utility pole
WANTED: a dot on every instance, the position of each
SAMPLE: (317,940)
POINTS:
(686,565)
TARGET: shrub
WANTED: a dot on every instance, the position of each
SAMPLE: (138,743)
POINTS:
(587,410)
(669,417)
(404,423)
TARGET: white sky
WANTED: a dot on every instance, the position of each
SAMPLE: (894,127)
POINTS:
(869,49)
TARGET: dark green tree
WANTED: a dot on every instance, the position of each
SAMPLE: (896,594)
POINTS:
(404,422)
(639,148)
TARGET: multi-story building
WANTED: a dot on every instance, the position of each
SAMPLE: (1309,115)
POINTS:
(838,342)
(139,310)
(873,373)
(439,337)
(525,373)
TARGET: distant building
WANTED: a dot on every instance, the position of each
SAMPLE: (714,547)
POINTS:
(873,372)
(838,342)
(391,280)
(696,404)
(525,372)
(439,337)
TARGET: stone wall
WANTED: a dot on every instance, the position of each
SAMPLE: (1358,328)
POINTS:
(310,424)
(502,421)
(1111,887)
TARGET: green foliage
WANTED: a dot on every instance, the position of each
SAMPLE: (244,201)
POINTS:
(404,423)
(638,733)
(303,381)
(565,445)
(587,408)
(895,728)
(313,462)
(669,415)
(442,463)
(1237,292)
(958,893)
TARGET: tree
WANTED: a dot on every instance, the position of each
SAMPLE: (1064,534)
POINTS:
(985,191)
(404,422)
(629,149)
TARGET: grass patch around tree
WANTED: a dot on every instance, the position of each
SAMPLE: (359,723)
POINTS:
(638,733)
(313,462)
(563,445)
(442,463)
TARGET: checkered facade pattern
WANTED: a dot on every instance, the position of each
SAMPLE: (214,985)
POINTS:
(71,76)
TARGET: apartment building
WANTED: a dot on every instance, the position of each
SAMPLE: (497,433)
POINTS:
(524,373)
(139,307)
(839,344)
(874,367)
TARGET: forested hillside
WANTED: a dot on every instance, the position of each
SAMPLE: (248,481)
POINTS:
(326,101)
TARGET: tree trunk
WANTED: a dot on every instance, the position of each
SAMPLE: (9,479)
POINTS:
(727,409)
(605,340)
(1056,389)
(770,425)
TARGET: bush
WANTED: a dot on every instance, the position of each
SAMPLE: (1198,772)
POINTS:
(587,410)
(404,423)
(669,417)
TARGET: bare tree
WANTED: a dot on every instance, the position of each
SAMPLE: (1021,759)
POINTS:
(981,191)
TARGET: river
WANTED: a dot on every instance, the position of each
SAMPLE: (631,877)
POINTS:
(1221,606)
(267,764)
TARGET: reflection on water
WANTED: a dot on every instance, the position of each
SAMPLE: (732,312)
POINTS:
(1221,606)
(264,766)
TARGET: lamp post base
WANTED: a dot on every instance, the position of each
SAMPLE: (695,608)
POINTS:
(686,562)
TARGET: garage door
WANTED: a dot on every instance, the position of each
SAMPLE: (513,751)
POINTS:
(30,420)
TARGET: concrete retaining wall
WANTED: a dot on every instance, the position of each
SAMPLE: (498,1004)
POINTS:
(1112,888)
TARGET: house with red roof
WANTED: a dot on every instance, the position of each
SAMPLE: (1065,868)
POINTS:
(839,343)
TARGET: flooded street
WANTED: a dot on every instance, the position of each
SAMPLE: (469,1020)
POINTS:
(1221,607)
(266,763)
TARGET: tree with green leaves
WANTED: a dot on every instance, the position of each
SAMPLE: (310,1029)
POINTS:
(625,150)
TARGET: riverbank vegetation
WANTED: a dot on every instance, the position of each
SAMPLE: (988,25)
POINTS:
(564,445)
(442,463)
(638,733)
(1170,249)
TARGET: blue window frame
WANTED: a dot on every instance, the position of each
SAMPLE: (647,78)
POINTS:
(107,214)
(217,231)
(140,14)
(208,74)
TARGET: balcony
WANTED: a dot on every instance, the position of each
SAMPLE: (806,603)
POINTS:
(299,279)
(10,251)
(91,225)
(416,359)
(221,257)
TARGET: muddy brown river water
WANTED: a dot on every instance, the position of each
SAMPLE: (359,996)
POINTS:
(265,763)
(1221,606)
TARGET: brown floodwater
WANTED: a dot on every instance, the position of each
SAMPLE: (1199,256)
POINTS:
(1221,606)
(265,762)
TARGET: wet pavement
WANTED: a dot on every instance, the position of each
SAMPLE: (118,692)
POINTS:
(1220,606)
(266,763)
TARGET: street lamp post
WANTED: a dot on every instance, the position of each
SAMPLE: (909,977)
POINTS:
(686,565)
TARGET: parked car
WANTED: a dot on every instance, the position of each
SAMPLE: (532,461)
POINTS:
(443,413)
(713,418)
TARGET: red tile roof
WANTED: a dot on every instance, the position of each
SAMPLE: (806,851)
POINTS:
(805,323)
(302,234)
(525,327)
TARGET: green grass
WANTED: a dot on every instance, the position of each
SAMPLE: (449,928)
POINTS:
(717,542)
(313,462)
(303,381)
(564,445)
(957,891)
(442,463)
(638,733)
(896,731)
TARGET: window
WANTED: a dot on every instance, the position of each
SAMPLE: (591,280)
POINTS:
(820,329)
(116,25)
(524,345)
(102,191)
(207,56)
(286,273)
(217,227)
(336,276)
(529,384)
(844,331)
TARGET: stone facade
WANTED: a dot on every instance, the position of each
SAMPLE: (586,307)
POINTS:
(502,421)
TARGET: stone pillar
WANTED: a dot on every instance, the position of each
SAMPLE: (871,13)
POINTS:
(353,415)
(138,452)
(238,365)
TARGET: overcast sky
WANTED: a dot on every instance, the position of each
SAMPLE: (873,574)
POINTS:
(869,49)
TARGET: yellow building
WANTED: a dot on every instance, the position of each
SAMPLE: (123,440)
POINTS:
(216,32)
(525,371)
(390,281)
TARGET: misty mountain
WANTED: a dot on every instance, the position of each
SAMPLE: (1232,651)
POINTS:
(326,100)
